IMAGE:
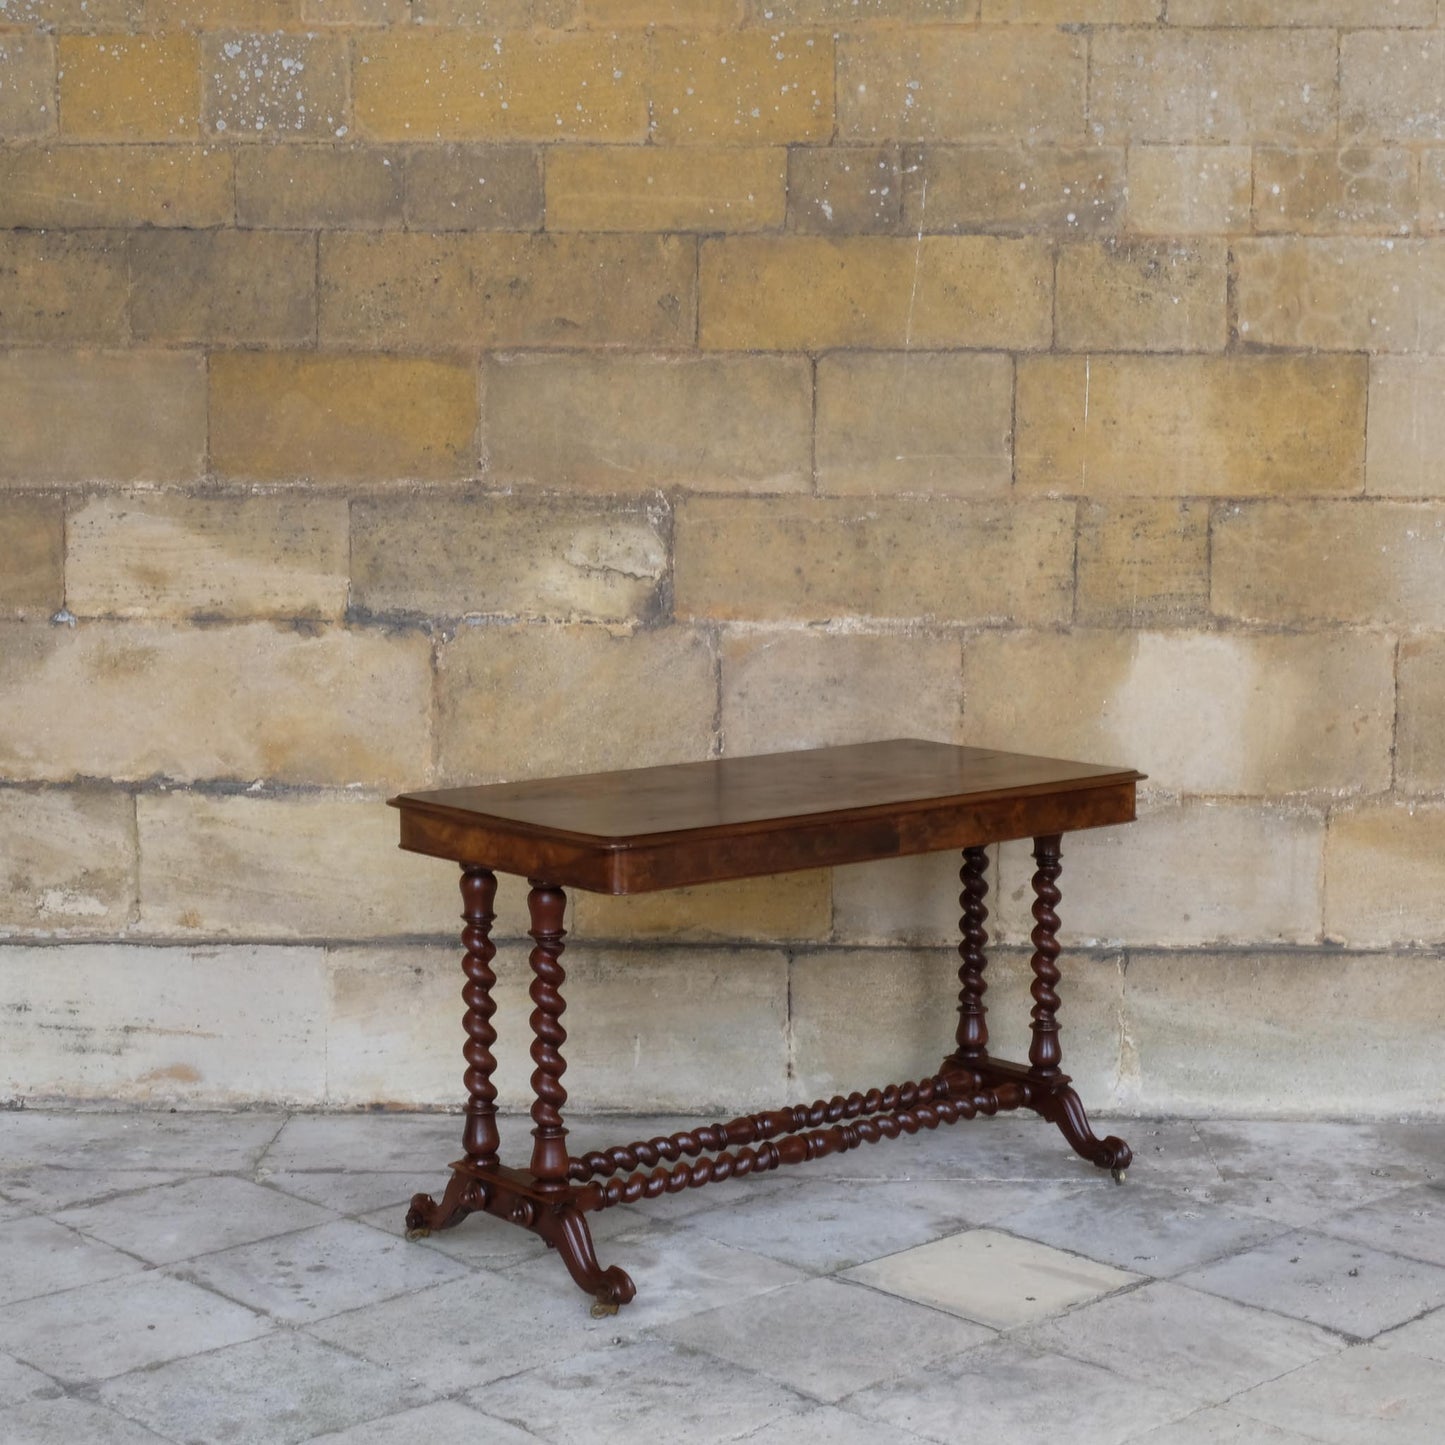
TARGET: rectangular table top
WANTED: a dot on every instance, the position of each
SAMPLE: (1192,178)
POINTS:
(649,828)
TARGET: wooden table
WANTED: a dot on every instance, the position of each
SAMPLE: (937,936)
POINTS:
(653,828)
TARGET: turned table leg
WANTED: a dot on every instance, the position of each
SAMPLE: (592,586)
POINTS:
(972,1048)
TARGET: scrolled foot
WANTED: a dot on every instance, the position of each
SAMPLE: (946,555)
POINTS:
(460,1199)
(566,1230)
(1063,1107)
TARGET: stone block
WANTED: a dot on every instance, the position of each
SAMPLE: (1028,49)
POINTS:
(621,423)
(745,87)
(329,188)
(1208,86)
(1185,875)
(233,557)
(276,86)
(1391,85)
(437,292)
(1142,562)
(473,188)
(27,85)
(698,1030)
(1432,191)
(1419,739)
(1301,12)
(1365,189)
(1341,294)
(502,556)
(811,293)
(60,288)
(914,422)
(860,12)
(843,190)
(495,15)
(906,900)
(651,188)
(245,702)
(32,555)
(88,417)
(130,87)
(630,702)
(1185,190)
(1407,427)
(154,1026)
(1233,426)
(312,867)
(67,861)
(1385,874)
(341,418)
(811,560)
(1224,713)
(78,186)
(857,687)
(961,84)
(754,910)
(1371,563)
(420,84)
(189,15)
(227,288)
(1325,1033)
(1057,188)
(1141,296)
(355,12)
(78,15)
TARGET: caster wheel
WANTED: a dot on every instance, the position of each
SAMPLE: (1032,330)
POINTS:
(1119,1175)
(601,1308)
(419,1233)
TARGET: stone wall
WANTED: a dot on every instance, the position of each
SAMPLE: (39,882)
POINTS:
(399,394)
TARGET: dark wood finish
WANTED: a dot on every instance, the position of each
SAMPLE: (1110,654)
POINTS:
(651,828)
(657,827)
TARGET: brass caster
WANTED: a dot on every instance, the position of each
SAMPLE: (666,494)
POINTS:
(602,1307)
(419,1233)
(1119,1175)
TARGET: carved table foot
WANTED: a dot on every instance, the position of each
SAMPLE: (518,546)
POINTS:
(462,1197)
(566,1230)
(1063,1107)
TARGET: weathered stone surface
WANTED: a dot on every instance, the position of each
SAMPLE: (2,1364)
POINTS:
(341,418)
(1432,190)
(473,188)
(858,688)
(652,188)
(275,86)
(854,12)
(27,85)
(620,423)
(1141,296)
(243,702)
(1059,188)
(1256,714)
(423,85)
(914,422)
(449,291)
(234,557)
(153,1026)
(1361,189)
(1419,738)
(499,716)
(1362,562)
(843,190)
(67,861)
(77,14)
(316,867)
(905,900)
(354,12)
(758,910)
(229,288)
(1184,190)
(494,15)
(705,1030)
(62,289)
(1342,294)
(1142,561)
(32,556)
(962,84)
(1407,427)
(76,186)
(742,88)
(1281,1056)
(1391,85)
(1190,426)
(1385,874)
(812,293)
(130,87)
(329,188)
(1301,12)
(1183,875)
(811,559)
(1204,86)
(507,556)
(83,416)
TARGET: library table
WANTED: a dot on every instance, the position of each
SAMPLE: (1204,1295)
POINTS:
(665,827)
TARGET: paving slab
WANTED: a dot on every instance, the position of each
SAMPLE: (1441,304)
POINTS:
(828,1425)
(45,1189)
(421,1145)
(827,1339)
(1411,1222)
(74,1138)
(349,1194)
(20,1382)
(47,1422)
(1424,1336)
(1219,1425)
(39,1257)
(446,1422)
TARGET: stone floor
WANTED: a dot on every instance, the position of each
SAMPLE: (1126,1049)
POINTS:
(236,1278)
